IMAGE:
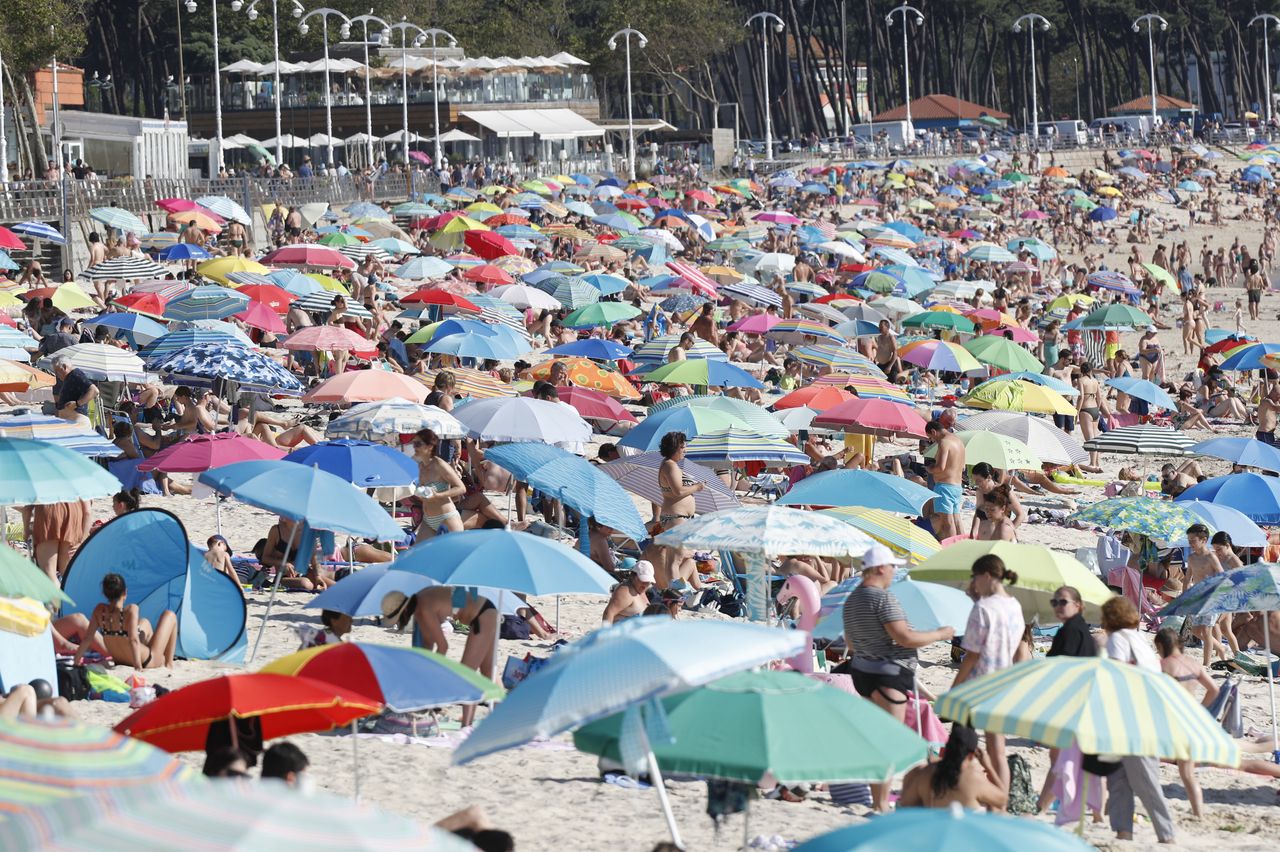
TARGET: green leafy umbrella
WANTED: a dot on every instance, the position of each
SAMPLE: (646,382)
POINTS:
(1003,353)
(20,578)
(783,723)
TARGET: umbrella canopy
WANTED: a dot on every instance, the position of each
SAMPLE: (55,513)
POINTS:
(180,720)
(367,386)
(523,419)
(738,445)
(1041,572)
(361,463)
(1003,353)
(615,667)
(55,430)
(20,578)
(1243,531)
(197,453)
(134,328)
(174,342)
(939,355)
(1116,315)
(843,738)
(47,761)
(1101,705)
(206,303)
(1046,441)
(638,474)
(872,417)
(212,361)
(592,348)
(40,473)
(1142,440)
(104,362)
(583,373)
(361,593)
(505,559)
(1253,588)
(928,606)
(1017,395)
(748,415)
(1255,496)
(1249,452)
(1143,390)
(768,530)
(703,372)
(130,267)
(897,533)
(1145,515)
(406,680)
(943,830)
(331,338)
(390,418)
(999,451)
(322,500)
(867,488)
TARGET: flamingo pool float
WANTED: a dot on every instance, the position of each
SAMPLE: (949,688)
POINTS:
(805,591)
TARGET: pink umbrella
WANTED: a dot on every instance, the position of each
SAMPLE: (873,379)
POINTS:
(260,316)
(319,256)
(1017,333)
(368,386)
(1033,214)
(177,205)
(872,417)
(330,338)
(198,453)
(755,324)
(777,217)
(693,278)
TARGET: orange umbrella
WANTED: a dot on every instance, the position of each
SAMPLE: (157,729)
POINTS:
(16,377)
(585,373)
(203,221)
(817,397)
(1056,172)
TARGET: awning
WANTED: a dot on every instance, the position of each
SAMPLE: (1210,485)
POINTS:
(545,123)
(501,121)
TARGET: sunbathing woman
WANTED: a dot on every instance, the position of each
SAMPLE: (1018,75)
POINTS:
(127,636)
(964,776)
(280,550)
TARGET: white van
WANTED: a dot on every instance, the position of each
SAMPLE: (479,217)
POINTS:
(1070,133)
(899,133)
(1138,126)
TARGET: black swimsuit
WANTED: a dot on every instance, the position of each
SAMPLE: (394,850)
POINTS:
(475,622)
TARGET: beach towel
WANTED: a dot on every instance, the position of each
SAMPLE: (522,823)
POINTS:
(1070,783)
(1023,798)
(929,725)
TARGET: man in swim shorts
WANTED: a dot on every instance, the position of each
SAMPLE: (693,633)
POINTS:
(947,468)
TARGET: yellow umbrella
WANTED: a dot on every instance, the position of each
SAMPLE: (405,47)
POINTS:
(895,532)
(483,207)
(333,285)
(220,267)
(1017,395)
(722,274)
(1109,192)
(8,300)
(1070,300)
(69,297)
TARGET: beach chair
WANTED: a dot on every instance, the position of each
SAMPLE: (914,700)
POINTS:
(1111,554)
(771,486)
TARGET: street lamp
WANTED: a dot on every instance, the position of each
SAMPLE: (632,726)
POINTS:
(384,38)
(904,10)
(768,21)
(641,41)
(236,5)
(434,32)
(4,138)
(345,32)
(1267,21)
(1151,19)
(403,28)
(1031,20)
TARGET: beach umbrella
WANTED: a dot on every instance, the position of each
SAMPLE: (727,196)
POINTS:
(943,830)
(422,268)
(406,680)
(180,720)
(40,231)
(738,445)
(1243,531)
(691,420)
(330,338)
(39,473)
(638,474)
(843,738)
(940,320)
(1249,356)
(125,268)
(657,349)
(361,594)
(259,316)
(1254,495)
(603,411)
(866,488)
(1144,390)
(939,355)
(703,372)
(522,419)
(1045,441)
(593,348)
(617,667)
(928,606)
(118,218)
(1041,572)
(269,295)
(66,297)
(1002,353)
(797,331)
(1248,452)
(505,559)
(196,453)
(20,578)
(104,362)
(1116,315)
(1103,706)
(599,314)
(1147,516)
(472,383)
(226,208)
(178,341)
(815,396)
(895,532)
(311,255)
(182,252)
(72,436)
(878,417)
(1017,395)
(387,419)
(212,361)
(1142,440)
(207,302)
(1000,451)
(134,328)
(361,463)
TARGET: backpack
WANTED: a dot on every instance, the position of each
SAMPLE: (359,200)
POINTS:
(1023,795)
(73,681)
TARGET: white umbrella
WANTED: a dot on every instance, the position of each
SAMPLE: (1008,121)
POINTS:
(375,421)
(1045,440)
(524,296)
(774,263)
(105,363)
(523,419)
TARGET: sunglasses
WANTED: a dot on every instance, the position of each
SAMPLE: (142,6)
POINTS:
(1057,602)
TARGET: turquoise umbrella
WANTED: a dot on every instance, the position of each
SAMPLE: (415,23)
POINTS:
(939,830)
(39,473)
(867,488)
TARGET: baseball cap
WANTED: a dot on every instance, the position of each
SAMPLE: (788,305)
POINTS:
(644,571)
(877,555)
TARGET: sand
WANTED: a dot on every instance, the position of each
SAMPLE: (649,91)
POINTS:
(549,796)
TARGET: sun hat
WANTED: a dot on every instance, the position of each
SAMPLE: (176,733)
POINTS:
(877,555)
(392,604)
(644,571)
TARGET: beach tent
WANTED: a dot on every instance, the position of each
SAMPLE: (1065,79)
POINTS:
(26,644)
(149,548)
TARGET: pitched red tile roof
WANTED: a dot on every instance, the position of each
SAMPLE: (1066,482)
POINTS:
(941,107)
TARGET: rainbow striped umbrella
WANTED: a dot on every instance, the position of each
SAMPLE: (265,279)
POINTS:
(43,762)
(1104,706)
(897,533)
(939,355)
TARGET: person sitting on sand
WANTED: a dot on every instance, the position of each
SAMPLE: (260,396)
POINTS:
(129,638)
(280,550)
(219,556)
(963,776)
(286,762)
(630,598)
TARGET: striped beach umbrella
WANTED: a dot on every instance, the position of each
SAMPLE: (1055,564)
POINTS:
(754,293)
(657,349)
(39,473)
(175,341)
(1017,395)
(1044,439)
(206,303)
(48,761)
(797,331)
(837,358)
(1142,440)
(128,268)
(321,302)
(739,445)
(55,430)
(390,418)
(894,531)
(745,414)
(118,218)
(226,208)
(105,363)
(40,231)
(1101,705)
(638,474)
(472,383)
(939,355)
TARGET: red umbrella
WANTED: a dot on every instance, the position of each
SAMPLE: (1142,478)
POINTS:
(10,240)
(1228,343)
(506,219)
(260,316)
(144,303)
(308,255)
(630,204)
(836,297)
(487,273)
(872,417)
(436,296)
(817,397)
(276,298)
(198,453)
(180,720)
(703,196)
(594,405)
(488,244)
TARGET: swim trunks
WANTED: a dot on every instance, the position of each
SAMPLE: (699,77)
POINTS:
(949,500)
(1266,437)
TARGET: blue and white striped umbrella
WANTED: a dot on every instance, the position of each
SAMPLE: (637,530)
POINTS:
(321,301)
(162,348)
(739,445)
(119,218)
(657,349)
(752,293)
(771,531)
(243,278)
(39,231)
(135,328)
(209,302)
(55,430)
(573,293)
(226,208)
(208,362)
(126,268)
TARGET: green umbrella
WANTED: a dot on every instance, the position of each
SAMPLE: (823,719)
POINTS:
(940,319)
(20,578)
(1116,315)
(337,239)
(1161,274)
(795,728)
(600,313)
(1080,202)
(1003,353)
(728,244)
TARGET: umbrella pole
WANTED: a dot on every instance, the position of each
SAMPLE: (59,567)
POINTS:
(746,825)
(915,689)
(1271,681)
(497,634)
(275,588)
(1084,801)
(355,757)
(655,775)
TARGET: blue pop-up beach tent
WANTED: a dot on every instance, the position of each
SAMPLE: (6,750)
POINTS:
(150,549)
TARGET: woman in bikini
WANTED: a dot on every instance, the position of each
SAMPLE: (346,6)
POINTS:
(129,638)
(280,550)
(439,485)
(1090,407)
(677,497)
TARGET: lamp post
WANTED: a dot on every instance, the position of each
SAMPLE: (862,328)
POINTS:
(182,74)
(403,28)
(641,41)
(904,10)
(325,13)
(1151,19)
(1267,21)
(217,85)
(768,21)
(1031,19)
(236,5)
(384,38)
(4,138)
(435,32)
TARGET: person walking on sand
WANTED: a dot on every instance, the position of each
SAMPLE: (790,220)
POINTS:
(947,468)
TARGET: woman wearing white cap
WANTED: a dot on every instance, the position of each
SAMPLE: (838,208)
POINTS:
(881,642)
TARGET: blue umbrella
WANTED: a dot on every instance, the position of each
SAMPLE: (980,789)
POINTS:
(295,282)
(1102,214)
(867,488)
(55,430)
(7,263)
(1143,390)
(1038,379)
(1233,522)
(360,594)
(594,348)
(135,328)
(40,472)
(936,830)
(361,463)
(473,343)
(574,481)
(607,284)
(212,361)
(420,268)
(183,251)
(928,606)
(682,302)
(1249,452)
(1250,357)
(206,303)
(1255,496)
(39,231)
(647,435)
(177,341)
